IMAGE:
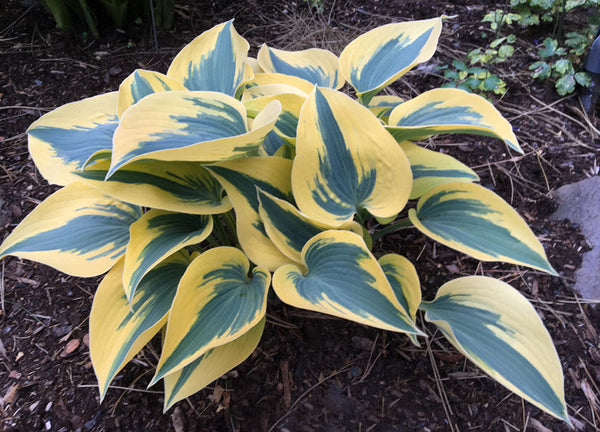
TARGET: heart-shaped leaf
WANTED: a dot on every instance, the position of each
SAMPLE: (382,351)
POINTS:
(214,61)
(77,230)
(340,168)
(119,329)
(449,110)
(343,280)
(61,141)
(474,220)
(216,303)
(154,237)
(494,326)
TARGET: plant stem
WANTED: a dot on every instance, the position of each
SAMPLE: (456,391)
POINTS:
(499,23)
(360,217)
(396,226)
(89,19)
(231,227)
(561,19)
(219,230)
(214,242)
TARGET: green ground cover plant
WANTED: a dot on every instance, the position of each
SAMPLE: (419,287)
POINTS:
(558,57)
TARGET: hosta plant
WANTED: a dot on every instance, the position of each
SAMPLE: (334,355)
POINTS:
(200,189)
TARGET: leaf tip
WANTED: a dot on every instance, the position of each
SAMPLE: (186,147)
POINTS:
(158,375)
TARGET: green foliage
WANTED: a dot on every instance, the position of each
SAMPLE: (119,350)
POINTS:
(561,53)
(317,5)
(199,190)
(474,79)
(478,76)
(119,13)
(558,57)
(556,64)
(498,19)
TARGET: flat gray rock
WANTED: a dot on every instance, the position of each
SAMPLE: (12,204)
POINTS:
(580,203)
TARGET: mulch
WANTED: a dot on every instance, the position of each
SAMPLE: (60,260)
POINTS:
(310,372)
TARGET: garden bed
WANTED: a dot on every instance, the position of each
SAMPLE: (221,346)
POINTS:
(310,372)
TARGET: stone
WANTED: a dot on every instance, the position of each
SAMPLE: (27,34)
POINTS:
(580,203)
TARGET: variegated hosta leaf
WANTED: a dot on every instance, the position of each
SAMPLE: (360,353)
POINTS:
(184,187)
(273,144)
(287,123)
(269,90)
(99,156)
(188,126)
(430,168)
(214,61)
(154,237)
(140,84)
(382,106)
(253,63)
(474,220)
(315,65)
(240,178)
(343,280)
(289,229)
(494,326)
(216,303)
(381,56)
(211,365)
(119,329)
(403,277)
(61,141)
(449,110)
(286,150)
(340,168)
(277,83)
(77,230)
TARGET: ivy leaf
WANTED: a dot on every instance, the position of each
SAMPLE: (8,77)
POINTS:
(578,43)
(473,83)
(495,84)
(459,65)
(550,48)
(541,70)
(528,19)
(450,75)
(565,85)
(543,4)
(505,51)
(583,78)
(563,67)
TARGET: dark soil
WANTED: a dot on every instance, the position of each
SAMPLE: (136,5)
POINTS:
(311,372)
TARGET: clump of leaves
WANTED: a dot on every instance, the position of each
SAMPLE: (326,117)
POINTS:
(69,13)
(199,190)
(555,64)
(561,53)
(317,5)
(476,73)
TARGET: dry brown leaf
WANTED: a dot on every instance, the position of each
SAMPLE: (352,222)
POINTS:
(71,346)
(217,393)
(178,420)
(10,396)
(538,426)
